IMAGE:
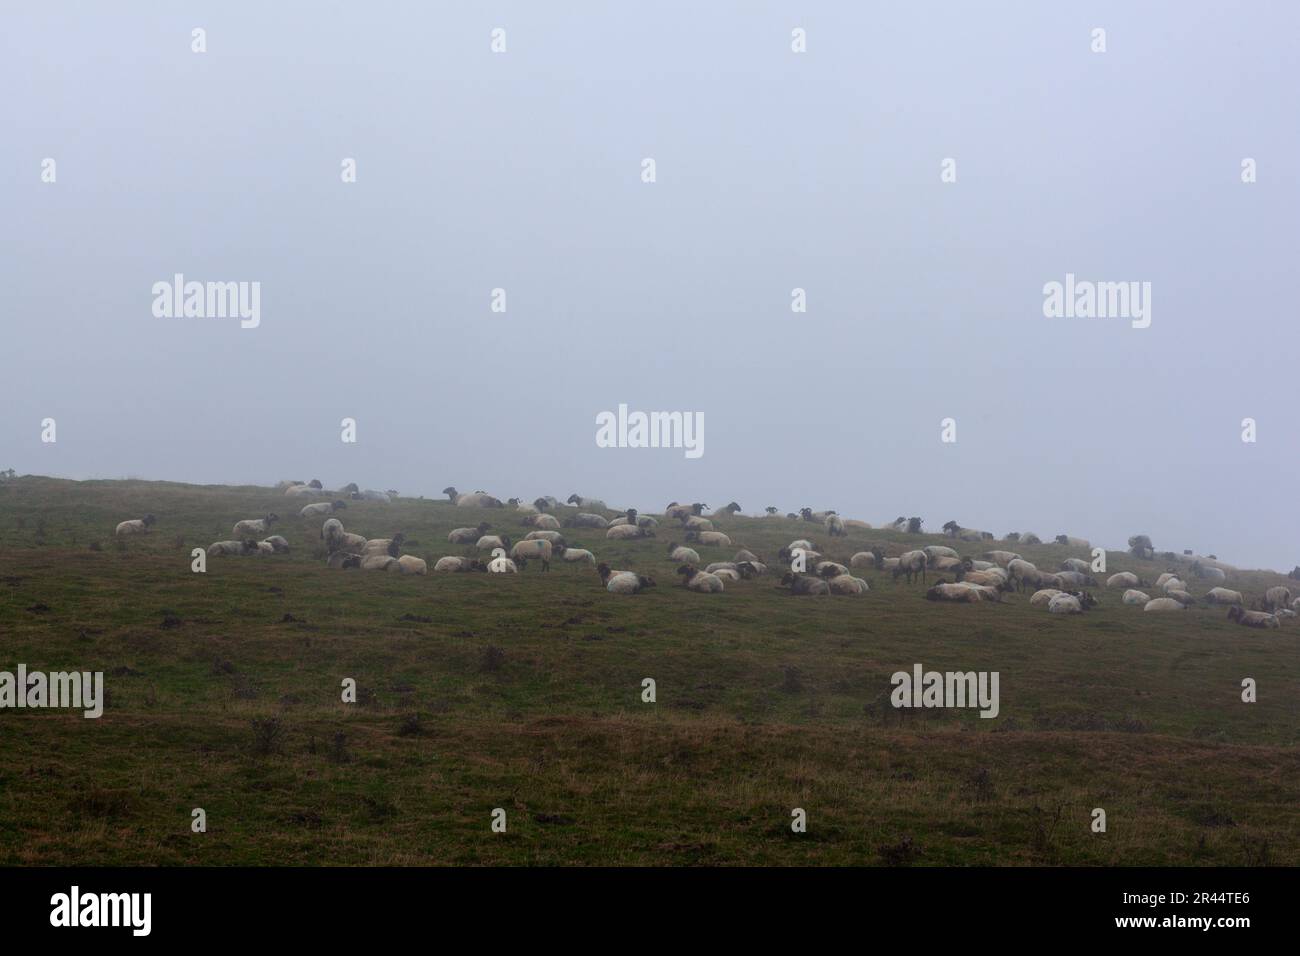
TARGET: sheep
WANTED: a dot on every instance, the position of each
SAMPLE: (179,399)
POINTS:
(451,563)
(675,510)
(729,510)
(546,503)
(975,565)
(410,564)
(355,543)
(523,507)
(278,544)
(1124,579)
(1165,578)
(641,521)
(682,555)
(1283,612)
(1074,603)
(478,499)
(1075,564)
(1276,597)
(847,584)
(342,559)
(137,525)
(282,485)
(1224,596)
(542,522)
(1182,597)
(717,566)
(1077,579)
(1139,545)
(623,582)
(695,523)
(1044,597)
(1065,539)
(371,495)
(1295,605)
(751,569)
(490,542)
(381,546)
(1252,618)
(583,520)
(1135,597)
(730,576)
(254,526)
(1022,572)
(573,555)
(988,579)
(804,584)
(912,563)
(863,559)
(380,562)
(744,555)
(264,548)
(694,579)
(591,504)
(304,491)
(468,535)
(331,532)
(1002,558)
(536,550)
(834,525)
(556,539)
(1206,573)
(788,555)
(322,508)
(1163,604)
(935,551)
(1174,584)
(503,565)
(247,546)
(955,592)
(626,532)
(829,569)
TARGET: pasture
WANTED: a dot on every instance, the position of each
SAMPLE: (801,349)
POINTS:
(523,692)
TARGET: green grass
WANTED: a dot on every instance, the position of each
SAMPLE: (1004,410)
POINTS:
(766,702)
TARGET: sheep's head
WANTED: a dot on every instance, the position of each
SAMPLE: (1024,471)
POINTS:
(505,540)
(558,549)
(149,520)
(399,538)
(339,505)
(770,509)
(1062,539)
(1235,613)
(692,536)
(603,570)
(350,487)
(688,571)
(913,525)
(806,514)
(393,548)
(698,508)
(315,483)
(1086,600)
(644,581)
(477,565)
(272,518)
(787,579)
(572,500)
(450,492)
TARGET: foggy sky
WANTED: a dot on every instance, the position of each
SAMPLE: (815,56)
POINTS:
(775,170)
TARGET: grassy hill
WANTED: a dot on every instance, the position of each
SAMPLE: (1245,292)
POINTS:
(524,692)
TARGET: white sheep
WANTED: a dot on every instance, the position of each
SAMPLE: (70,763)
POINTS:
(331,532)
(490,542)
(322,508)
(1076,564)
(137,525)
(502,566)
(352,543)
(578,554)
(554,537)
(451,563)
(1135,597)
(1065,539)
(1276,597)
(847,584)
(713,539)
(1002,558)
(1163,604)
(247,546)
(703,581)
(251,527)
(382,546)
(468,535)
(1065,604)
(1044,597)
(543,522)
(911,563)
(863,559)
(410,564)
(380,562)
(478,499)
(591,504)
(1252,618)
(1123,579)
(371,495)
(584,520)
(834,525)
(627,532)
(278,544)
(623,582)
(535,550)
(696,523)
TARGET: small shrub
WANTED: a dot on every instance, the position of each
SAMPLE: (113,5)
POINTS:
(268,736)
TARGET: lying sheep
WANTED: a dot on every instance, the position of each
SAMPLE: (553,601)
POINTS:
(556,539)
(523,507)
(1252,618)
(584,520)
(847,584)
(1075,564)
(573,555)
(743,555)
(935,551)
(803,584)
(677,511)
(1075,603)
(546,503)
(626,532)
(503,565)
(454,564)
(1182,597)
(1001,558)
(966,594)
(278,544)
(1207,573)
(694,579)
(342,559)
(322,508)
(695,523)
(990,579)
(1163,604)
(1044,597)
(354,543)
(468,535)
(238,548)
(1165,578)
(478,499)
(254,526)
(382,546)
(371,495)
(1073,542)
(863,559)
(410,564)
(535,550)
(829,569)
(682,555)
(1174,584)
(137,525)
(490,542)
(380,562)
(623,582)
(1135,597)
(591,504)
(1125,579)
(732,575)
(717,566)
(543,522)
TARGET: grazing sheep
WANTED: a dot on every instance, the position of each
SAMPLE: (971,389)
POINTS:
(342,559)
(1224,596)
(1044,597)
(591,504)
(1073,542)
(863,559)
(137,525)
(573,555)
(535,550)
(278,544)
(1124,579)
(1077,579)
(322,508)
(1135,597)
(1002,558)
(623,582)
(626,532)
(490,542)
(834,525)
(238,548)
(682,555)
(1075,564)
(912,563)
(450,563)
(1163,604)
(478,499)
(410,564)
(1252,618)
(1022,572)
(743,555)
(254,526)
(694,579)
(583,520)
(468,535)
(803,584)
(1276,597)
(847,584)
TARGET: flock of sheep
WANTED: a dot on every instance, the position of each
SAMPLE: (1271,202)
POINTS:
(986,578)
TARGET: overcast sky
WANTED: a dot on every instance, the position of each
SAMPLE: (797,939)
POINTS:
(522,170)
